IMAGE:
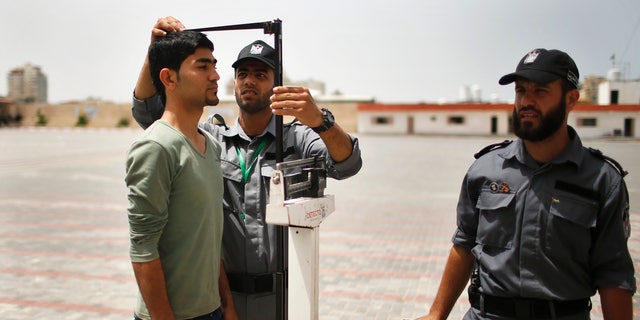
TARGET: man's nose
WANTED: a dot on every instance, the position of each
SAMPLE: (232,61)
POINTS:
(250,80)
(526,99)
(215,75)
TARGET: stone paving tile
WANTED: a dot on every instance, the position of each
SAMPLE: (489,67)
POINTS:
(63,230)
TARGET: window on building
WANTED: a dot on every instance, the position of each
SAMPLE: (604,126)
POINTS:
(587,122)
(456,120)
(382,120)
(614,96)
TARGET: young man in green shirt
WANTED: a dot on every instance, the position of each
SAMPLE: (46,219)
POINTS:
(175,193)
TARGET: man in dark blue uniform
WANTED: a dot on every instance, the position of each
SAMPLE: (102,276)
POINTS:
(542,222)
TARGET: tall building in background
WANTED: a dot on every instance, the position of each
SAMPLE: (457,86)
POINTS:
(589,88)
(27,84)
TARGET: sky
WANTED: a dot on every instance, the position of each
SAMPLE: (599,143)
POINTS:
(400,51)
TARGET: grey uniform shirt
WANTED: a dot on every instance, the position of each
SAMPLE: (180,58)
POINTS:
(552,231)
(249,243)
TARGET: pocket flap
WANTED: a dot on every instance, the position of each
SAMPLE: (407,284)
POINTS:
(494,200)
(230,170)
(574,208)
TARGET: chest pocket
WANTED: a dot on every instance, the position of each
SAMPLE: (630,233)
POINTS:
(232,193)
(496,219)
(230,170)
(569,223)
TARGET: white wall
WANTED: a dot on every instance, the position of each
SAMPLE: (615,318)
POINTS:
(476,123)
(425,122)
(607,123)
(397,122)
(479,122)
(628,92)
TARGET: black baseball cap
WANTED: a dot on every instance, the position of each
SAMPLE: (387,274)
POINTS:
(257,50)
(544,66)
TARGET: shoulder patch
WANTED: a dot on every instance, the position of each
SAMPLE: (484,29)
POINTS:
(492,147)
(609,160)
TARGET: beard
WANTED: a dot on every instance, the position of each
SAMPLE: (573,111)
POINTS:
(549,123)
(212,101)
(255,105)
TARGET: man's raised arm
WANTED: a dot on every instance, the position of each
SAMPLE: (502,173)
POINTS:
(146,106)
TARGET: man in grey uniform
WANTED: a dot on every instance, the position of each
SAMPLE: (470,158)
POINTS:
(248,158)
(543,221)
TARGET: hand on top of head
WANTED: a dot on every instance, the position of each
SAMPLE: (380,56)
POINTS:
(165,25)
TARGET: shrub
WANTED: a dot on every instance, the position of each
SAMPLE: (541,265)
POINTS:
(82,120)
(42,119)
(123,123)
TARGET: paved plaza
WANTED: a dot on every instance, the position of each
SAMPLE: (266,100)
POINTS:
(64,232)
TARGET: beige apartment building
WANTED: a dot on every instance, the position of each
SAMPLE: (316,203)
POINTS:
(27,84)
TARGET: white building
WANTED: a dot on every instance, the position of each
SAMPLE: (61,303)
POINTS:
(591,121)
(617,91)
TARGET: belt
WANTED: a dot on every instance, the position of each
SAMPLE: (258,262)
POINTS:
(522,308)
(252,283)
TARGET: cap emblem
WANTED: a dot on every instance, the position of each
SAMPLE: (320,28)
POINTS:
(531,57)
(256,49)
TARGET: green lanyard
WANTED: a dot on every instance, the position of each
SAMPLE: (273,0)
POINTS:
(243,166)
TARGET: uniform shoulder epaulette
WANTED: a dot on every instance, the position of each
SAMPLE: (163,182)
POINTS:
(217,120)
(609,160)
(492,147)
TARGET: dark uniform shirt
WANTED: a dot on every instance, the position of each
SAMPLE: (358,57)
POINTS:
(557,230)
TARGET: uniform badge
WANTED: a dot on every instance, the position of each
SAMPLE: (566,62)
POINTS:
(499,188)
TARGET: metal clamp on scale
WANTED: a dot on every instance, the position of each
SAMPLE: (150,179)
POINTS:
(296,194)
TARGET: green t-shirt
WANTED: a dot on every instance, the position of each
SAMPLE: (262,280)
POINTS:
(175,214)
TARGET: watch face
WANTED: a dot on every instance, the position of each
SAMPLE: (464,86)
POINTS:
(328,116)
(328,121)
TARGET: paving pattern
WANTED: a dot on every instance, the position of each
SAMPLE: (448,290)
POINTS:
(64,234)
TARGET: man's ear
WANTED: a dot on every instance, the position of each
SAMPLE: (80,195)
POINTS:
(572,98)
(168,78)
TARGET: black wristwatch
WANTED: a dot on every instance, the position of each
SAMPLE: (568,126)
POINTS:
(327,121)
